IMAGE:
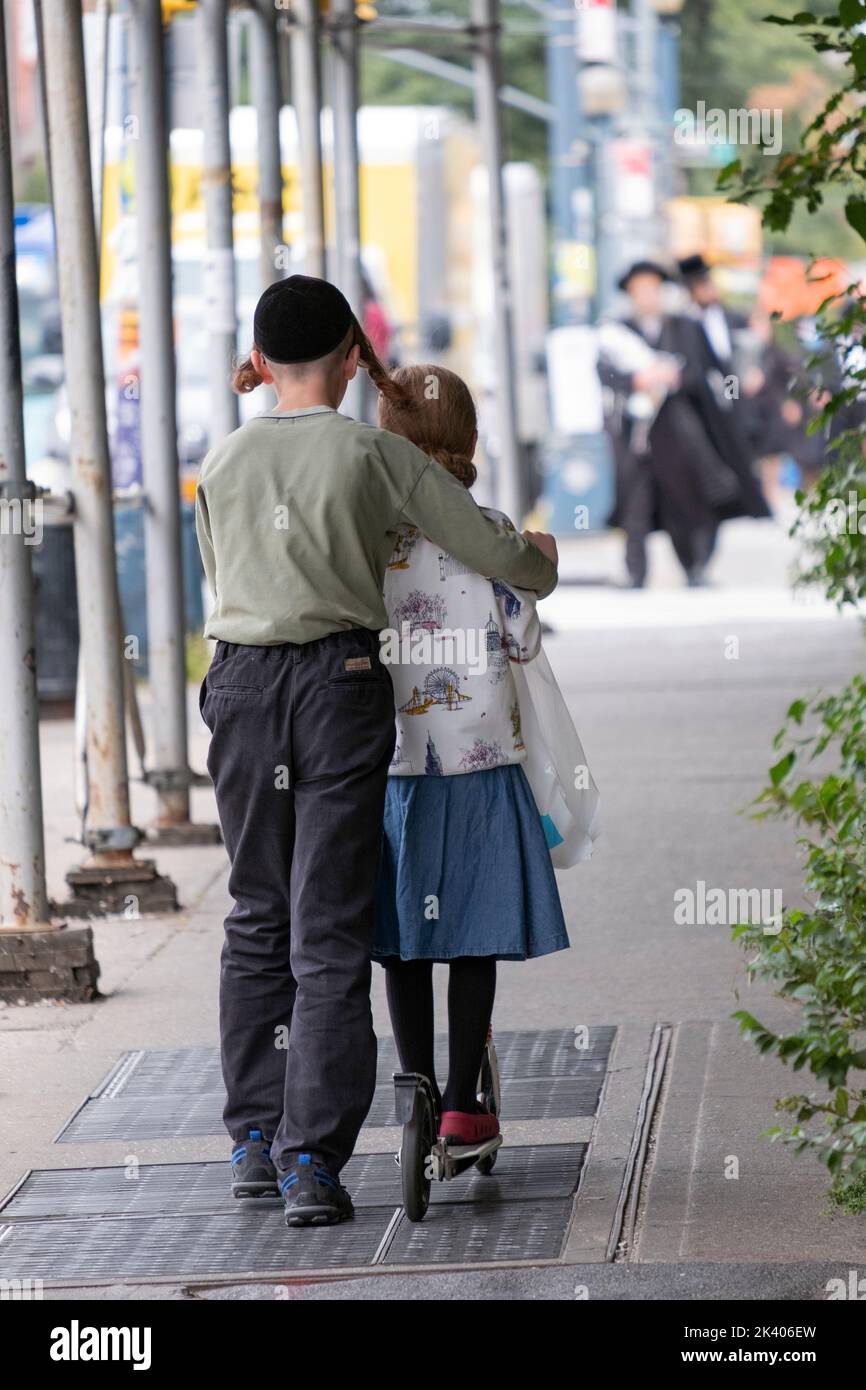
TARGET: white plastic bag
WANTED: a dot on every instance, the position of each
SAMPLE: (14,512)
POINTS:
(556,767)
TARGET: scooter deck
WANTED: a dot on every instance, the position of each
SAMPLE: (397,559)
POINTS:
(453,1159)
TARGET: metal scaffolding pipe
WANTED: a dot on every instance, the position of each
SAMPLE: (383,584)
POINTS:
(265,68)
(510,488)
(162,520)
(307,101)
(344,104)
(111,834)
(212,35)
(23,897)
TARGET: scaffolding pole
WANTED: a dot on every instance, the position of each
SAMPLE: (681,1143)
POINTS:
(265,67)
(212,20)
(111,876)
(307,101)
(344,104)
(170,776)
(510,484)
(23,897)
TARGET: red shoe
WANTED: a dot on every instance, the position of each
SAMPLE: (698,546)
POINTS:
(458,1127)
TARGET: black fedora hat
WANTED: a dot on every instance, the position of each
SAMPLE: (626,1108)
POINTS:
(643,268)
(693,268)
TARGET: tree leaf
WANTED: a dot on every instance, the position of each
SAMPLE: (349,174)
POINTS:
(780,770)
(855,215)
(852,13)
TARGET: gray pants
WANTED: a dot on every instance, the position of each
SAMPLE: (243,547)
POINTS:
(302,736)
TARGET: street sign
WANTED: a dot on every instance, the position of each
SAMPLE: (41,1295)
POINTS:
(596,31)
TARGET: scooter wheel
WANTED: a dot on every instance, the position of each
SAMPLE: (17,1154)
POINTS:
(418,1140)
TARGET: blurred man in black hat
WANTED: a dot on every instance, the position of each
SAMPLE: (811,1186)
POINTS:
(665,425)
(731,350)
(721,324)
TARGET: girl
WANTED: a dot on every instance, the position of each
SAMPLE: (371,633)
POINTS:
(465,875)
(296,514)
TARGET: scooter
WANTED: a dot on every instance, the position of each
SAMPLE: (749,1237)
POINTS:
(423,1155)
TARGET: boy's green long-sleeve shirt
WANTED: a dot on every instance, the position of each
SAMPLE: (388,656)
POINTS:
(296,515)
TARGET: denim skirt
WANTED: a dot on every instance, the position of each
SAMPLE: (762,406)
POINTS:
(465,870)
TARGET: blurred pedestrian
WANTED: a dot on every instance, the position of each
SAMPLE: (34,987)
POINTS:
(377,325)
(660,414)
(720,323)
(729,352)
(777,411)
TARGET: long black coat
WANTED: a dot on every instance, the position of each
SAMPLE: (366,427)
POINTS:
(700,465)
(728,421)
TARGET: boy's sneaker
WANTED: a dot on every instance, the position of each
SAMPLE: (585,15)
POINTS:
(313,1196)
(253,1173)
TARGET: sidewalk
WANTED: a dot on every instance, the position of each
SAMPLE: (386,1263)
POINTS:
(679,739)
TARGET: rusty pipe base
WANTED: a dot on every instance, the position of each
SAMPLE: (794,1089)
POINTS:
(180,834)
(39,965)
(129,888)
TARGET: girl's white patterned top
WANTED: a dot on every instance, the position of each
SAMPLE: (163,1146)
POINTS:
(449,644)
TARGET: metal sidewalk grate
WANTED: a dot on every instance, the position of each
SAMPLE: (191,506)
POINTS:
(181,1189)
(90,1225)
(251,1240)
(178,1091)
(509,1231)
(195,1070)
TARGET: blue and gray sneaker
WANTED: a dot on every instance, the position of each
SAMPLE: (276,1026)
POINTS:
(313,1196)
(253,1173)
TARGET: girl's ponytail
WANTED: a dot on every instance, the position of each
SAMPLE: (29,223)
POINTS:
(378,374)
(245,378)
(460,465)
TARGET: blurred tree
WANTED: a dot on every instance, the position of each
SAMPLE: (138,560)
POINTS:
(386,83)
(727,50)
(730,58)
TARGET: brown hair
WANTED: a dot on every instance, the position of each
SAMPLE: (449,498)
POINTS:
(437,413)
(245,377)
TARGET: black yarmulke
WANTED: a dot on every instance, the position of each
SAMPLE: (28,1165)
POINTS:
(300,319)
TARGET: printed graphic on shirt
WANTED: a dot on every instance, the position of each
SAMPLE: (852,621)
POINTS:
(497,654)
(482,755)
(421,610)
(515,649)
(399,763)
(441,687)
(405,544)
(511,601)
(516,732)
(433,763)
(448,566)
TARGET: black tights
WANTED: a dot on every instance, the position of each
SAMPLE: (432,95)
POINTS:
(471,989)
